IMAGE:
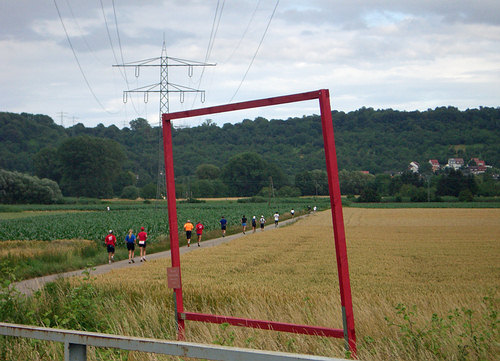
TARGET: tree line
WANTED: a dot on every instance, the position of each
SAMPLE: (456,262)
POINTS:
(250,157)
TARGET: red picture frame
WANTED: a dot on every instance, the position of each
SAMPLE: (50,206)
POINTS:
(348,332)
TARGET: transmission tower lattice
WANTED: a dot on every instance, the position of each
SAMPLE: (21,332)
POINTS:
(164,88)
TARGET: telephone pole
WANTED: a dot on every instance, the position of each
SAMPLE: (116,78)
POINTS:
(163,88)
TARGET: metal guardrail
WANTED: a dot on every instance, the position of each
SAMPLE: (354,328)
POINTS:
(76,342)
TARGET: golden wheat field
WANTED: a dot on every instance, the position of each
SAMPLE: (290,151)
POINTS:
(437,260)
(32,249)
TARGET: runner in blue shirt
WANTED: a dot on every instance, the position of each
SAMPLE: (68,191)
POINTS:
(130,240)
(223,223)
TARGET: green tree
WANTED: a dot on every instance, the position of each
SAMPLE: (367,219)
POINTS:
(122,180)
(313,182)
(419,195)
(369,194)
(305,183)
(488,186)
(22,188)
(89,166)
(353,182)
(148,191)
(130,192)
(140,124)
(452,183)
(46,164)
(207,171)
(465,195)
(382,181)
(245,174)
(288,191)
(208,188)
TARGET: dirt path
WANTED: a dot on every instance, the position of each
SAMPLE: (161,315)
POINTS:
(28,287)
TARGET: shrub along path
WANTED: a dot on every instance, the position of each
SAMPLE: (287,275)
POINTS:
(28,287)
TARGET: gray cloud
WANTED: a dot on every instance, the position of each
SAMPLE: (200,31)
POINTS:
(398,54)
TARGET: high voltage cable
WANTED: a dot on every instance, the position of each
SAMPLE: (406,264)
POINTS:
(209,51)
(109,35)
(117,32)
(211,41)
(245,32)
(256,51)
(90,48)
(81,32)
(78,62)
(121,54)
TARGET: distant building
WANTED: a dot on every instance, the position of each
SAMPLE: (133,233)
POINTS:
(477,166)
(414,167)
(434,164)
(365,171)
(455,163)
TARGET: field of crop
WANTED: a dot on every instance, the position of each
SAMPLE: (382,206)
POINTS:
(93,225)
(39,226)
(425,285)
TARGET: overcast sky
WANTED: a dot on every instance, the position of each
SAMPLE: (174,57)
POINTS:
(404,55)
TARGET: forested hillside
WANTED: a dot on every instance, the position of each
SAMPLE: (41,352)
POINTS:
(22,136)
(366,139)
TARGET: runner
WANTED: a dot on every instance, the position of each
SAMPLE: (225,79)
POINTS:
(199,231)
(110,245)
(262,222)
(188,227)
(276,218)
(130,240)
(254,224)
(292,212)
(244,223)
(142,243)
(223,225)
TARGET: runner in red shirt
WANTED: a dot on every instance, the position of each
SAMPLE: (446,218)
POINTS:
(199,231)
(110,242)
(142,236)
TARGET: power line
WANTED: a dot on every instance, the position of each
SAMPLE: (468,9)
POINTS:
(78,62)
(244,32)
(211,42)
(118,33)
(256,51)
(124,74)
(81,32)
(209,50)
(109,35)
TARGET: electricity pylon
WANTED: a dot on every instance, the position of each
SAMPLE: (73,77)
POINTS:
(164,88)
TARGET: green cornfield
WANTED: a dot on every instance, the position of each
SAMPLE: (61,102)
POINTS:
(94,224)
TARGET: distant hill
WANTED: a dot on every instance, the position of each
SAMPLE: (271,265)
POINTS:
(22,136)
(366,139)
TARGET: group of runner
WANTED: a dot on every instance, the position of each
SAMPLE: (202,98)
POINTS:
(130,240)
(188,226)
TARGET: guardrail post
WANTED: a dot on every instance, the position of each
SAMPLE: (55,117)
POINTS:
(75,352)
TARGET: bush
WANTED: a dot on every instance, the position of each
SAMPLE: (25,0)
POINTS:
(465,196)
(288,191)
(419,195)
(369,194)
(86,200)
(254,199)
(148,191)
(193,200)
(11,305)
(130,192)
(21,188)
